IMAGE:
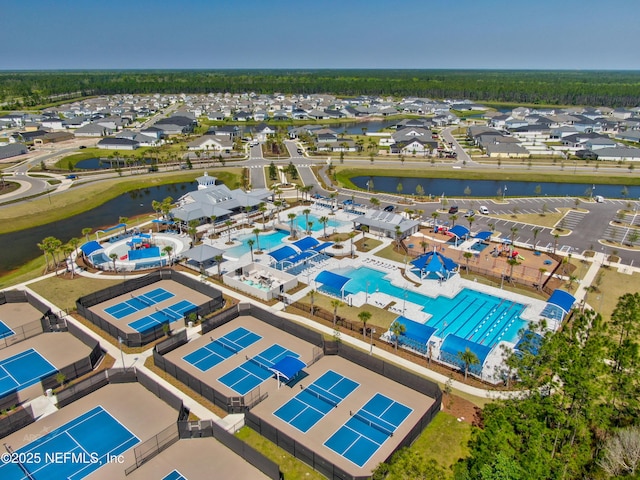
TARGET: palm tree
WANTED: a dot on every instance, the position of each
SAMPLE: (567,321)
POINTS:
(470,219)
(86,231)
(364,317)
(213,224)
(218,259)
(278,204)
(397,329)
(424,246)
(251,242)
(168,249)
(336,304)
(555,242)
(124,220)
(435,216)
(453,219)
(374,201)
(535,232)
(263,209)
(193,229)
(228,224)
(397,232)
(113,257)
(351,236)
(54,245)
(312,294)
(512,263)
(67,250)
(45,249)
(306,213)
(467,256)
(542,272)
(256,232)
(324,220)
(292,217)
(364,229)
(468,358)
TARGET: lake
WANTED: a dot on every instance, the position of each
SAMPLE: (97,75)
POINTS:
(493,188)
(20,247)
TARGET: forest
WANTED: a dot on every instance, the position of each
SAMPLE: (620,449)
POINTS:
(532,87)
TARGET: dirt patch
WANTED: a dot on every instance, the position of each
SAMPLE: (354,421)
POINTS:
(462,409)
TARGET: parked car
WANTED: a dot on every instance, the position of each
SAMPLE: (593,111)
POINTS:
(389,208)
(484,210)
(469,213)
(453,209)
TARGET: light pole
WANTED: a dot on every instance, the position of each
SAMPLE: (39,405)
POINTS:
(504,192)
(373,330)
(121,354)
(404,301)
(366,298)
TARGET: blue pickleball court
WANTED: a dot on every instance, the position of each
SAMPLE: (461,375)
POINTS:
(138,302)
(23,370)
(5,331)
(175,475)
(368,428)
(168,314)
(219,349)
(316,400)
(255,370)
(87,439)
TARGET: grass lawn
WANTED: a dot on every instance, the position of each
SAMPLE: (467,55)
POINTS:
(291,467)
(613,285)
(85,197)
(28,271)
(379,318)
(64,292)
(444,440)
(390,253)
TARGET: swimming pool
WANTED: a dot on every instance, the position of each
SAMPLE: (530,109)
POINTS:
(301,223)
(267,242)
(476,316)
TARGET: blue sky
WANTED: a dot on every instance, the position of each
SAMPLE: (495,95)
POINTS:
(140,34)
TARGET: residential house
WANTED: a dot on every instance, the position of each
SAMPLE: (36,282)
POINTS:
(9,150)
(619,154)
(113,143)
(211,143)
(93,130)
(262,131)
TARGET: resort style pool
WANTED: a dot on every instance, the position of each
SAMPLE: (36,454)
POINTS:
(476,316)
(301,223)
(267,241)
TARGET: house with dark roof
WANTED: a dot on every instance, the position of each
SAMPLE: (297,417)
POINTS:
(175,125)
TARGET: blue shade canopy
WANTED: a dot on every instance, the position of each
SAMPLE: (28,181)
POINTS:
(434,262)
(562,299)
(90,247)
(282,253)
(530,342)
(459,231)
(453,345)
(306,243)
(332,280)
(288,367)
(483,235)
(416,331)
(322,246)
(115,227)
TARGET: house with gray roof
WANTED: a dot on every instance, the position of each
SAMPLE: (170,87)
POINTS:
(113,143)
(619,154)
(387,224)
(8,150)
(93,130)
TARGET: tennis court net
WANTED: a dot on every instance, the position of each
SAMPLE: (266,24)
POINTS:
(17,460)
(261,365)
(381,428)
(226,345)
(171,314)
(325,396)
(145,300)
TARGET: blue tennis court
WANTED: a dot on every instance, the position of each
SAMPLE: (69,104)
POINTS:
(316,400)
(23,370)
(139,302)
(221,348)
(175,475)
(168,314)
(5,331)
(368,428)
(85,443)
(254,371)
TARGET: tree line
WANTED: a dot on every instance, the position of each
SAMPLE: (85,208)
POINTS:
(598,88)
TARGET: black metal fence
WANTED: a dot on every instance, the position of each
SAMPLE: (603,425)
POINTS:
(305,454)
(171,343)
(137,339)
(78,390)
(219,319)
(15,420)
(208,428)
(21,333)
(152,447)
